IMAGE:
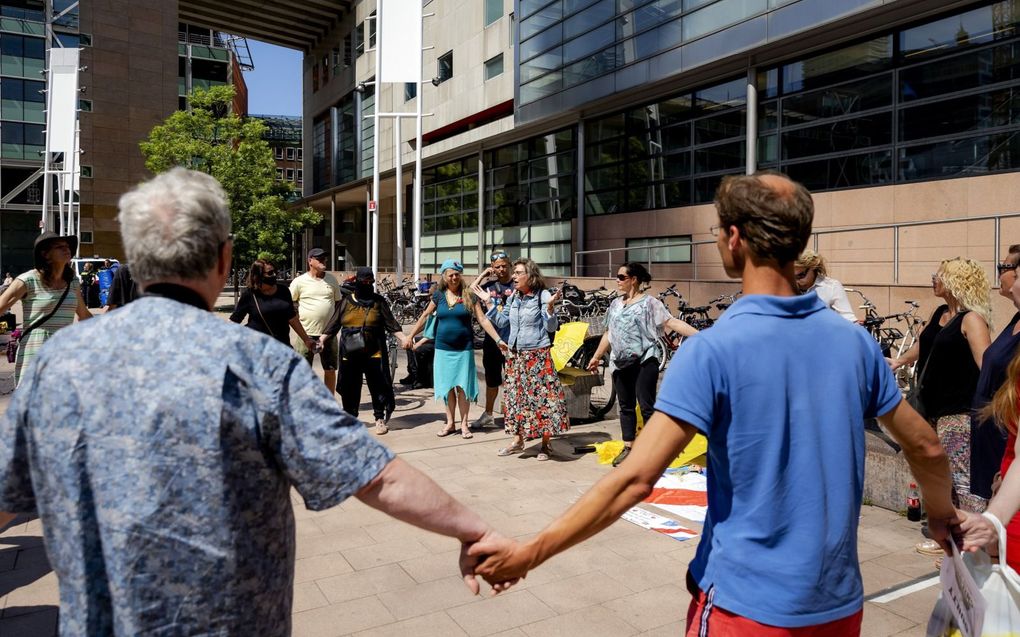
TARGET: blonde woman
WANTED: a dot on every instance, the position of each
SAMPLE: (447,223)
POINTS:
(810,276)
(950,351)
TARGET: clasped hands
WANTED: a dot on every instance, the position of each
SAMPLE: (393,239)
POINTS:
(500,561)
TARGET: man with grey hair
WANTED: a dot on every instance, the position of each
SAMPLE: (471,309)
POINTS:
(166,507)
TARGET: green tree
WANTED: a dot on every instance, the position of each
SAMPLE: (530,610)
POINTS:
(213,140)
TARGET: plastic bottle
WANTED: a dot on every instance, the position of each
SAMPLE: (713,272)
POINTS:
(913,503)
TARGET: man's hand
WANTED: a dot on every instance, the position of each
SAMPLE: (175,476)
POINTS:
(977,532)
(482,295)
(402,340)
(501,563)
(471,555)
(941,529)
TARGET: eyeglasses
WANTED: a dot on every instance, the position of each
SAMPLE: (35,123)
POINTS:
(622,277)
(496,256)
(715,230)
(801,275)
(934,277)
(1003,268)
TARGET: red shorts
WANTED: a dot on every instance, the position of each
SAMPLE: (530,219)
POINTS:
(706,620)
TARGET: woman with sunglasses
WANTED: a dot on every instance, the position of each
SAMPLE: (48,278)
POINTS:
(455,381)
(949,352)
(634,323)
(269,306)
(499,287)
(810,276)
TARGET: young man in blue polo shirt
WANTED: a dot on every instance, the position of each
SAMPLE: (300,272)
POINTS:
(781,387)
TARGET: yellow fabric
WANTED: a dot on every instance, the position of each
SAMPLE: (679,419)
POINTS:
(569,338)
(693,454)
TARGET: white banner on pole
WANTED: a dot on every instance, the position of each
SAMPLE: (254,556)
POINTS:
(400,40)
(62,117)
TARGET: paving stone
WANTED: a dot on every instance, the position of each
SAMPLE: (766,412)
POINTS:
(432,625)
(342,618)
(423,599)
(580,591)
(879,622)
(311,546)
(308,596)
(585,622)
(916,606)
(342,588)
(500,613)
(652,608)
(384,553)
(877,577)
(429,568)
(676,629)
(319,567)
(41,591)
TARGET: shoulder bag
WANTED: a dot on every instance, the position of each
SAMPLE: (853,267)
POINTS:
(12,345)
(352,339)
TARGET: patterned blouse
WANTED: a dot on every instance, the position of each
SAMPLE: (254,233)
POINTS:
(634,328)
(39,301)
(166,501)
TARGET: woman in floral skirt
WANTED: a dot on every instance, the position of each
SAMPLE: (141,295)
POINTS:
(533,401)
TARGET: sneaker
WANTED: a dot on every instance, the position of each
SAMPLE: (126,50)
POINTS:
(380,427)
(485,420)
(620,458)
(406,380)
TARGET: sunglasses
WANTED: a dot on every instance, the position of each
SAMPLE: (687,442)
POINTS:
(499,255)
(622,277)
(1003,268)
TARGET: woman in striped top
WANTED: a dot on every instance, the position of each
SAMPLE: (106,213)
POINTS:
(40,290)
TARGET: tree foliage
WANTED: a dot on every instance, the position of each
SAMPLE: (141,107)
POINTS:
(213,140)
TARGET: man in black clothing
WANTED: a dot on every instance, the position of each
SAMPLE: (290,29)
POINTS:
(123,290)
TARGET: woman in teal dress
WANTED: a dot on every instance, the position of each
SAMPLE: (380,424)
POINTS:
(455,378)
(40,290)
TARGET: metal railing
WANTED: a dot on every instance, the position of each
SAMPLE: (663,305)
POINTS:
(611,264)
(202,39)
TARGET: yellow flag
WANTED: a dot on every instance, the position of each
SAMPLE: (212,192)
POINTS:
(569,339)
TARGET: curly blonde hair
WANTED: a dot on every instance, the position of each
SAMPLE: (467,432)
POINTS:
(967,282)
(812,261)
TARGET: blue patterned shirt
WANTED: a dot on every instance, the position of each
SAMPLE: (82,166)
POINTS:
(164,491)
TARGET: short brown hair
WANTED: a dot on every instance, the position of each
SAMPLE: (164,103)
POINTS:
(536,282)
(775,222)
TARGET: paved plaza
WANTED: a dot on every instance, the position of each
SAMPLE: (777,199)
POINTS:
(359,572)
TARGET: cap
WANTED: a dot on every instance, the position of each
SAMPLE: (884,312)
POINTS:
(316,252)
(364,273)
(451,264)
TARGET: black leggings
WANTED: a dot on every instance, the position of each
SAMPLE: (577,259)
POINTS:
(376,372)
(636,385)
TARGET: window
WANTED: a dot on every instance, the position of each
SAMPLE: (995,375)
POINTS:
(86,171)
(336,61)
(444,70)
(300,155)
(85,39)
(324,65)
(290,174)
(290,153)
(371,30)
(359,39)
(494,67)
(300,176)
(85,236)
(277,152)
(85,106)
(348,50)
(493,11)
(643,250)
(410,91)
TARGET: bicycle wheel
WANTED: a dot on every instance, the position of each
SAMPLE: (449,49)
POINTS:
(661,353)
(602,396)
(392,350)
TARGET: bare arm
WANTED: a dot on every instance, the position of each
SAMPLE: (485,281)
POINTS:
(14,293)
(929,465)
(975,330)
(81,310)
(486,323)
(909,357)
(483,275)
(409,495)
(978,532)
(683,328)
(600,351)
(660,442)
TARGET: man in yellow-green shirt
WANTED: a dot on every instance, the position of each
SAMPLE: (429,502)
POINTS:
(316,293)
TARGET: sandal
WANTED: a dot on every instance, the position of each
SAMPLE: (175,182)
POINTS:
(511,450)
(542,456)
(929,547)
(446,432)
(466,435)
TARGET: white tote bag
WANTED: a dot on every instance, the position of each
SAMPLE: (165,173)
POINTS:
(1000,587)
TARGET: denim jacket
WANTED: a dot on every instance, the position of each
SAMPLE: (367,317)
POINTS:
(528,319)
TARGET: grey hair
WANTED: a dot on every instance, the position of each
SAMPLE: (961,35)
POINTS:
(174,225)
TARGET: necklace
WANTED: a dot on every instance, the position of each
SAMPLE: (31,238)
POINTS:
(456,299)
